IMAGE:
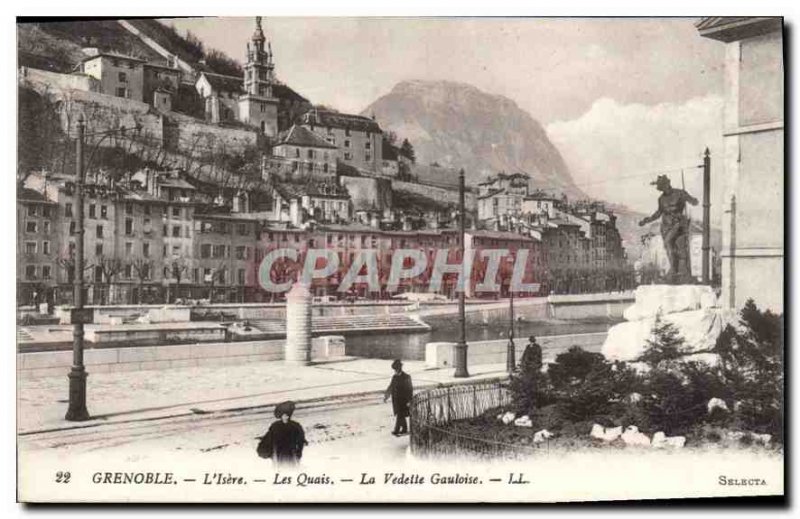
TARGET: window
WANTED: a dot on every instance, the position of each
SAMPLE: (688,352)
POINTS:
(164,251)
(45,271)
(46,227)
(147,227)
(367,157)
(98,249)
(128,226)
(367,145)
(240,276)
(45,247)
(176,250)
(241,252)
(68,210)
(128,273)
(99,231)
(31,210)
(310,154)
(30,227)
(128,249)
(176,231)
(72,228)
(348,155)
(123,77)
(30,272)
(347,143)
(297,152)
(331,140)
(218,251)
(325,167)
(128,208)
(147,210)
(122,92)
(46,211)
(242,229)
(30,247)
(146,250)
(164,230)
(176,212)
(196,275)
(205,250)
(92,211)
(347,131)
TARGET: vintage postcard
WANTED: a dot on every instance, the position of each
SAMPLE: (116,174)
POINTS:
(406,260)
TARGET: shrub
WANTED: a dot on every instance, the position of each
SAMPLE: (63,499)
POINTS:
(751,360)
(587,385)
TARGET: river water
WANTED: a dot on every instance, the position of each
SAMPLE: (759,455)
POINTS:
(411,346)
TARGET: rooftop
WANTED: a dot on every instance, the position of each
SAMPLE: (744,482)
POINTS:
(320,117)
(301,136)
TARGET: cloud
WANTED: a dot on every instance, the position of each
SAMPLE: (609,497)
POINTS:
(615,150)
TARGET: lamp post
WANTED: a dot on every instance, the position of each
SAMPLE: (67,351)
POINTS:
(461,345)
(511,361)
(706,217)
(76,411)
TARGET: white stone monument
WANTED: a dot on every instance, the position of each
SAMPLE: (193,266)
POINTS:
(297,349)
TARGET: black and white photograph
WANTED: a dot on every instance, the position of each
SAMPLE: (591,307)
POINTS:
(433,259)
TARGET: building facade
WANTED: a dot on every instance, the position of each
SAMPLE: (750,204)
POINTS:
(753,213)
(359,139)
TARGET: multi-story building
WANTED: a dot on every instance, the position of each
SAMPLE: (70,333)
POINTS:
(303,153)
(753,207)
(502,194)
(321,201)
(359,139)
(119,75)
(38,242)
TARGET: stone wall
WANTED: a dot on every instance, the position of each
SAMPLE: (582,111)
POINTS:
(439,194)
(57,364)
(368,192)
(441,354)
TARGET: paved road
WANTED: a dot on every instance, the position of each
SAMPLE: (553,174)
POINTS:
(333,428)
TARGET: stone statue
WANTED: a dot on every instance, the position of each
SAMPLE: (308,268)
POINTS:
(674,228)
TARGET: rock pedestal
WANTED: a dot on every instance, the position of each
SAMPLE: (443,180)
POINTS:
(691,308)
(298,325)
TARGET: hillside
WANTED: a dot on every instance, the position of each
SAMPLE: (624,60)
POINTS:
(57,45)
(457,125)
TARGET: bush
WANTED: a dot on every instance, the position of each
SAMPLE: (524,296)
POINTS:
(751,367)
(588,386)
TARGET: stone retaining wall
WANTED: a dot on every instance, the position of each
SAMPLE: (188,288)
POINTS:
(55,364)
(441,354)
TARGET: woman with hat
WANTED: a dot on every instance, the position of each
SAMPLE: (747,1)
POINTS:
(401,392)
(285,438)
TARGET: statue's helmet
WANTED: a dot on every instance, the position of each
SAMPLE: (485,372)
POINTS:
(661,182)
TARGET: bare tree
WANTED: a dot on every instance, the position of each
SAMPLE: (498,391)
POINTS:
(143,269)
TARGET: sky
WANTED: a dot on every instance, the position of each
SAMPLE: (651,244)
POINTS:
(619,97)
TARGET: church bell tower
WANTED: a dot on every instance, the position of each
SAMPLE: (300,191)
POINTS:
(257,105)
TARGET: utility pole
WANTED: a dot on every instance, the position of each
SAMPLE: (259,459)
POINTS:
(706,216)
(77,411)
(511,361)
(461,345)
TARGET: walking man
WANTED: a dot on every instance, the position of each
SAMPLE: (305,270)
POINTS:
(401,392)
(532,356)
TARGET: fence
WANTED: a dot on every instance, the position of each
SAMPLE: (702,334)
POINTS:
(433,413)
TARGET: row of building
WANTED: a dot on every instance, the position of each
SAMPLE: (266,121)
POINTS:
(157,236)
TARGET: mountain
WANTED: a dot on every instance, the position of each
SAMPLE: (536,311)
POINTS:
(458,125)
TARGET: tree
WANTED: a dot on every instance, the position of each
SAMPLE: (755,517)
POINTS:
(407,150)
(664,346)
(109,268)
(176,270)
(143,269)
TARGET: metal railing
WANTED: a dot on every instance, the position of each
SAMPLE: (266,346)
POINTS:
(433,413)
